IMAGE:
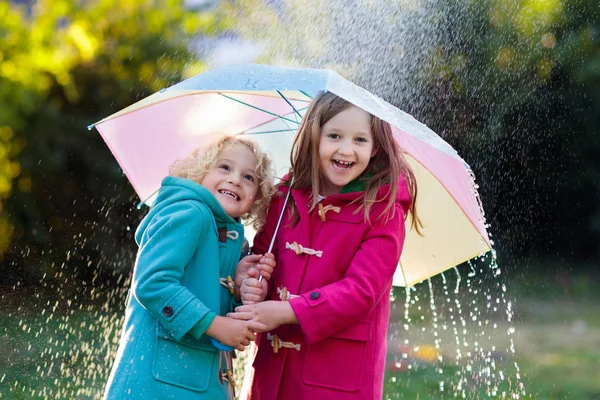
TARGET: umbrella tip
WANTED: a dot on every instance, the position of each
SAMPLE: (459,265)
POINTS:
(90,127)
(139,206)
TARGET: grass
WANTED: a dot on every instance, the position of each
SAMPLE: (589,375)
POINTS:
(554,363)
(47,352)
(556,339)
(55,355)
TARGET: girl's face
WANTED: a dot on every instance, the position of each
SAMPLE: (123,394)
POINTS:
(232,180)
(346,146)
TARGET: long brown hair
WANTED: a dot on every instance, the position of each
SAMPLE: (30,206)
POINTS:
(385,167)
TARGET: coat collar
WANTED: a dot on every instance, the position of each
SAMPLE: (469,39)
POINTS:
(349,202)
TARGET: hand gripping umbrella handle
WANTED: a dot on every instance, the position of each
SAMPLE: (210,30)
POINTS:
(287,196)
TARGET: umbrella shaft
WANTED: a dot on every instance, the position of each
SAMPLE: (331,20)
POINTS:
(287,196)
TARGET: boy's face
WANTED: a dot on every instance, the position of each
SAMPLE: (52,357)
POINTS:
(233,181)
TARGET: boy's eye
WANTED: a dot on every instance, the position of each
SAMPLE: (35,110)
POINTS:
(249,178)
(224,166)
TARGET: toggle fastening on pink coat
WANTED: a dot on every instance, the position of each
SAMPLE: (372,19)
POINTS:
(343,297)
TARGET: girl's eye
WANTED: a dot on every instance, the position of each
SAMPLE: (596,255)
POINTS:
(249,178)
(362,140)
(224,166)
(333,136)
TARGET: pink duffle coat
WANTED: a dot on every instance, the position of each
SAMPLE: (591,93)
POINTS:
(342,302)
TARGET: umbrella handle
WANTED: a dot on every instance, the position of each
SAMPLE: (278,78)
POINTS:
(287,196)
(220,346)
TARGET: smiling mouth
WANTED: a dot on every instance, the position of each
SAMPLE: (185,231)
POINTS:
(230,194)
(342,165)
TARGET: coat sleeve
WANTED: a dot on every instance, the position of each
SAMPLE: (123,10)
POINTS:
(166,248)
(326,310)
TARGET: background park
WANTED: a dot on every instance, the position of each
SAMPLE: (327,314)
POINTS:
(512,85)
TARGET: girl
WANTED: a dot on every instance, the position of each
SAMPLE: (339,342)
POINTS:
(337,249)
(189,245)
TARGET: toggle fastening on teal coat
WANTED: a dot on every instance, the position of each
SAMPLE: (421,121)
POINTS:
(175,295)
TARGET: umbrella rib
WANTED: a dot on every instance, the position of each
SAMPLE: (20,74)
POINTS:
(290,128)
(264,132)
(306,94)
(290,104)
(257,108)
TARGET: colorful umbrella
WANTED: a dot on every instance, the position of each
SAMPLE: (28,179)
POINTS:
(266,103)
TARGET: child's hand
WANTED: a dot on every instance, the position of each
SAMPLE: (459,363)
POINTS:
(235,332)
(270,313)
(264,265)
(252,291)
(241,271)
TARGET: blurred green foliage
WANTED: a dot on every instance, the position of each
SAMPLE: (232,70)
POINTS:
(517,91)
(63,66)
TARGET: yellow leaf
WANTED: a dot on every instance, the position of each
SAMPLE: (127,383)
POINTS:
(84,41)
(536,16)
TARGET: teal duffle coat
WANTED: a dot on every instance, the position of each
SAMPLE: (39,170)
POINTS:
(186,244)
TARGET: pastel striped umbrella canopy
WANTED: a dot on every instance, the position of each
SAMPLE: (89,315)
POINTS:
(266,103)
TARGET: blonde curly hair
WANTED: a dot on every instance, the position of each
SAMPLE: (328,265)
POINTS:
(203,159)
